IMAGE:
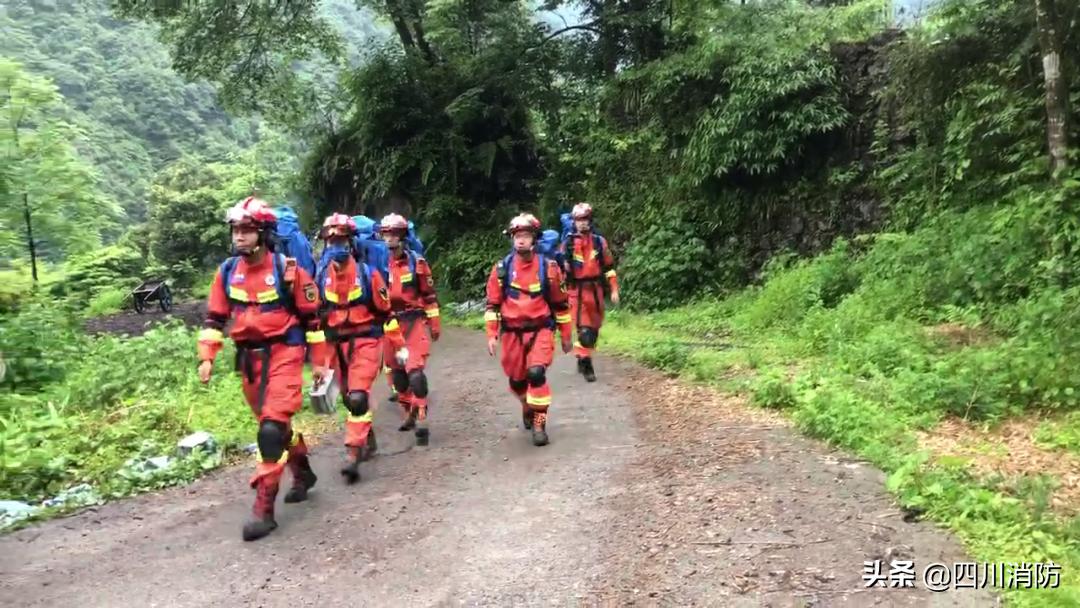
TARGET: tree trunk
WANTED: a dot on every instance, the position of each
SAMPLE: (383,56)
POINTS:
(1048,23)
(400,25)
(609,38)
(30,237)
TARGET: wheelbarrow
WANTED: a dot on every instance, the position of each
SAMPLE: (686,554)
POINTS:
(154,290)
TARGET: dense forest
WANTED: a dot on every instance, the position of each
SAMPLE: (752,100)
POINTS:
(878,210)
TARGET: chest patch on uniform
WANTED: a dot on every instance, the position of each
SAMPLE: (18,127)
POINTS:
(309,292)
(383,293)
(237,278)
(270,280)
(430,281)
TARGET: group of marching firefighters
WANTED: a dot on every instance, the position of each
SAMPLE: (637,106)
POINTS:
(352,320)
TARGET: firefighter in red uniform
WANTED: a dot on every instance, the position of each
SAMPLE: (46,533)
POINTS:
(273,306)
(357,315)
(588,264)
(412,292)
(526,299)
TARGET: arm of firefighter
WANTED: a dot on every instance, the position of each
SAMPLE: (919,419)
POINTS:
(608,264)
(559,299)
(306,296)
(380,299)
(212,336)
(428,295)
(494,302)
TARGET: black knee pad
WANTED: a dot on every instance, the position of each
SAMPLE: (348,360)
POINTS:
(536,376)
(587,336)
(357,402)
(401,380)
(519,386)
(418,383)
(272,438)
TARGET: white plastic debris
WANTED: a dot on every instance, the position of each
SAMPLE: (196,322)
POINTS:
(75,496)
(197,439)
(160,462)
(12,511)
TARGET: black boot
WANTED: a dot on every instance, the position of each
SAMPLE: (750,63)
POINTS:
(303,480)
(393,398)
(422,436)
(262,521)
(351,470)
(587,369)
(581,366)
(539,429)
(410,422)
(370,447)
(527,418)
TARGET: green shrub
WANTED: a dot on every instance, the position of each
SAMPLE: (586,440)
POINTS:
(665,267)
(772,390)
(107,301)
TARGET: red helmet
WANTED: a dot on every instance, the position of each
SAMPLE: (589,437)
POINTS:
(525,221)
(338,224)
(581,211)
(251,211)
(393,223)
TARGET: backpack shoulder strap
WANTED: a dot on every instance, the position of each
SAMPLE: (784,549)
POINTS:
(227,268)
(284,280)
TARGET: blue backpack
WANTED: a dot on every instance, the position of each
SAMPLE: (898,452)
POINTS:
(506,276)
(291,241)
(567,238)
(413,240)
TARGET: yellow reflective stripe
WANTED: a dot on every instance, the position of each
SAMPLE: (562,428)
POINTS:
(537,400)
(535,288)
(432,312)
(578,257)
(562,317)
(295,439)
(235,293)
(367,417)
(391,325)
(491,315)
(315,337)
(609,274)
(266,296)
(355,294)
(211,335)
(331,297)
(515,285)
(284,456)
(406,277)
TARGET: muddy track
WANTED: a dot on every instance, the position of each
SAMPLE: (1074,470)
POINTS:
(650,494)
(131,323)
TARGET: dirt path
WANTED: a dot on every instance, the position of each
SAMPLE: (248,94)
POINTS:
(609,514)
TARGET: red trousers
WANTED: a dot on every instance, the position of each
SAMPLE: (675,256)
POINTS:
(522,350)
(586,310)
(418,341)
(281,399)
(356,364)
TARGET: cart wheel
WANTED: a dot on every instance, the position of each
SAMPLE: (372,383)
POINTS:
(140,305)
(165,300)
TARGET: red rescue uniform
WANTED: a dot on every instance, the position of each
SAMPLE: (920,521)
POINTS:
(357,316)
(587,267)
(525,312)
(271,323)
(416,307)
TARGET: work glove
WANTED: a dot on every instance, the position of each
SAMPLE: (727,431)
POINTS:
(402,355)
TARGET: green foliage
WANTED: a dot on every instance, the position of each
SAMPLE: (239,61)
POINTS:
(108,301)
(463,271)
(665,266)
(772,390)
(43,175)
(39,343)
(107,269)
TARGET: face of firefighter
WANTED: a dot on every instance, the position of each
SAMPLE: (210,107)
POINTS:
(245,238)
(393,239)
(523,242)
(582,225)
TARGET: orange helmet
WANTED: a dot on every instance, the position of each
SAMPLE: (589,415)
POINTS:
(251,211)
(581,211)
(338,224)
(525,221)
(394,223)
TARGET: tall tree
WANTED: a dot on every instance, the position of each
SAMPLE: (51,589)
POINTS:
(1050,25)
(50,193)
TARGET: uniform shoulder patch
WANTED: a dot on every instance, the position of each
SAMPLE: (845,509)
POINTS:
(309,292)
(383,293)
